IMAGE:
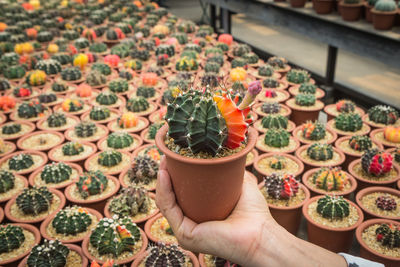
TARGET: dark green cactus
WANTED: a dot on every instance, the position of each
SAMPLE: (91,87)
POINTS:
(348,122)
(56,119)
(115,236)
(85,129)
(12,128)
(44,37)
(109,158)
(120,50)
(216,58)
(14,72)
(181,37)
(383,114)
(96,78)
(165,49)
(146,91)
(10,59)
(271,82)
(130,202)
(71,221)
(308,88)
(71,74)
(153,129)
(106,98)
(241,49)
(20,162)
(50,66)
(333,207)
(62,58)
(70,35)
(137,104)
(271,107)
(360,142)
(251,58)
(212,67)
(50,253)
(277,138)
(305,100)
(266,70)
(91,183)
(298,76)
(239,62)
(320,152)
(119,140)
(313,130)
(144,170)
(11,237)
(125,74)
(171,255)
(72,148)
(7,181)
(34,200)
(33,109)
(47,98)
(98,48)
(119,85)
(99,113)
(388,235)
(81,43)
(102,68)
(274,121)
(4,85)
(210,79)
(56,173)
(59,87)
(140,54)
(186,26)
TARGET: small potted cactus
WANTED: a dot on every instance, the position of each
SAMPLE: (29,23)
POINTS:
(121,141)
(329,180)
(265,71)
(34,204)
(285,196)
(350,10)
(379,241)
(109,99)
(57,121)
(323,6)
(110,161)
(100,114)
(280,64)
(23,162)
(86,131)
(158,230)
(307,88)
(342,106)
(278,163)
(73,106)
(349,124)
(319,155)
(314,132)
(49,99)
(381,116)
(273,95)
(149,135)
(40,140)
(379,202)
(140,106)
(31,111)
(132,202)
(332,221)
(375,168)
(296,77)
(305,107)
(92,190)
(72,151)
(128,122)
(70,225)
(115,238)
(276,121)
(384,14)
(272,108)
(277,140)
(387,137)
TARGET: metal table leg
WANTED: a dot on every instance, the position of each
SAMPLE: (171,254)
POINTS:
(330,73)
(226,20)
(213,17)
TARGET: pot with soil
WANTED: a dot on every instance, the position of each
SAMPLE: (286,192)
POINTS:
(384,14)
(332,221)
(395,152)
(57,121)
(348,124)
(277,140)
(6,147)
(323,6)
(189,152)
(388,137)
(11,185)
(307,88)
(23,162)
(331,181)
(319,155)
(120,141)
(381,116)
(272,95)
(207,260)
(74,152)
(273,84)
(158,230)
(149,135)
(350,9)
(110,162)
(379,202)
(128,122)
(273,108)
(274,121)
(296,77)
(12,130)
(342,106)
(314,132)
(305,107)
(374,238)
(86,131)
(40,140)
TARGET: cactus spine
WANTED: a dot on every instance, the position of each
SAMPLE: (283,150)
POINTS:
(20,162)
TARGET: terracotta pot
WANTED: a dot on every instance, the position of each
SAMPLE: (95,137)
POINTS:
(3,118)
(31,152)
(368,214)
(1,214)
(363,131)
(147,229)
(141,257)
(374,125)
(45,223)
(333,239)
(107,213)
(323,6)
(120,102)
(260,141)
(14,116)
(286,111)
(137,130)
(383,20)
(85,245)
(78,160)
(33,175)
(309,165)
(288,217)
(15,137)
(350,12)
(291,84)
(297,134)
(40,124)
(369,254)
(158,115)
(102,144)
(71,247)
(368,14)
(108,172)
(20,142)
(153,107)
(249,163)
(351,156)
(331,111)
(208,194)
(14,261)
(96,204)
(301,115)
(11,148)
(7,209)
(315,191)
(382,142)
(298,3)
(69,137)
(363,183)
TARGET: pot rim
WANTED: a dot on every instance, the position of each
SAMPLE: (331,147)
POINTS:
(262,156)
(309,142)
(23,138)
(358,110)
(300,149)
(22,172)
(350,5)
(147,227)
(251,141)
(346,137)
(376,183)
(39,124)
(384,13)
(383,142)
(312,109)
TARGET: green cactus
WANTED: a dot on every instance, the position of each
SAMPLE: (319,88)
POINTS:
(46,98)
(241,49)
(320,152)
(115,236)
(81,43)
(10,59)
(345,105)
(348,122)
(212,67)
(7,181)
(70,35)
(91,183)
(20,162)
(56,173)
(62,58)
(34,200)
(305,100)
(99,113)
(71,74)
(118,85)
(14,72)
(144,170)
(140,54)
(271,83)
(333,207)
(102,68)
(125,74)
(119,140)
(50,253)
(98,48)
(360,142)
(106,98)
(11,237)
(59,87)
(85,129)
(385,6)
(153,129)
(130,202)
(238,62)
(266,70)
(120,50)
(274,121)
(4,85)
(313,130)
(186,26)
(278,162)
(12,128)
(383,114)
(210,79)
(109,158)
(72,148)
(49,66)
(146,91)
(181,37)
(251,58)
(137,104)
(277,138)
(44,37)
(56,119)
(165,49)
(388,235)
(134,64)
(298,76)
(71,221)
(216,58)
(308,88)
(33,109)
(96,78)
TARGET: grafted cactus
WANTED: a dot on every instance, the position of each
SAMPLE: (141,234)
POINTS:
(376,163)
(330,179)
(360,142)
(281,186)
(388,235)
(313,131)
(383,114)
(91,183)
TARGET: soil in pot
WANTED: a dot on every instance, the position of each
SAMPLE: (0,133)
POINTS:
(350,12)
(74,151)
(271,95)
(266,144)
(40,140)
(207,260)
(279,163)
(70,121)
(323,6)
(110,162)
(6,147)
(12,185)
(158,230)
(250,159)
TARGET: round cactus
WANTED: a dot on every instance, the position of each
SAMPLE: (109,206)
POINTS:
(298,76)
(44,37)
(109,158)
(50,253)
(320,152)
(281,186)
(386,203)
(12,128)
(59,87)
(32,109)
(56,119)
(277,62)
(251,58)
(266,70)
(146,91)
(106,98)
(130,202)
(376,163)
(241,49)
(22,91)
(348,122)
(160,254)
(277,138)
(71,221)
(137,104)
(186,64)
(119,140)
(127,120)
(91,183)
(11,237)
(330,179)
(7,181)
(360,142)
(102,68)
(210,79)
(14,72)
(212,67)
(81,43)
(308,88)
(47,98)
(98,48)
(333,207)
(72,149)
(99,113)
(20,162)
(305,100)
(383,114)
(271,83)
(62,58)
(49,66)
(4,85)
(271,107)
(96,78)
(34,200)
(153,129)
(274,121)
(71,74)
(36,78)
(165,49)
(85,129)
(388,235)
(56,173)
(278,162)
(239,62)
(126,74)
(385,6)
(144,170)
(194,47)
(118,85)
(163,60)
(313,131)
(72,105)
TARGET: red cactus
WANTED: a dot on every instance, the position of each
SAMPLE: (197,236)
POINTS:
(6,103)
(376,162)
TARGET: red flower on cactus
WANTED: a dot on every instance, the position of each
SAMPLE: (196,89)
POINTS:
(270,93)
(112,60)
(23,92)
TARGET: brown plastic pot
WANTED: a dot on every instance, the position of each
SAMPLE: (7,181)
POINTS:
(382,142)
(40,123)
(31,152)
(368,253)
(14,138)
(7,209)
(296,133)
(206,189)
(286,110)
(350,12)
(288,217)
(383,20)
(350,157)
(315,191)
(301,115)
(331,111)
(75,248)
(323,6)
(96,204)
(22,139)
(333,239)
(366,191)
(102,144)
(368,14)
(309,165)
(45,223)
(85,250)
(14,261)
(363,183)
(298,3)
(138,261)
(80,160)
